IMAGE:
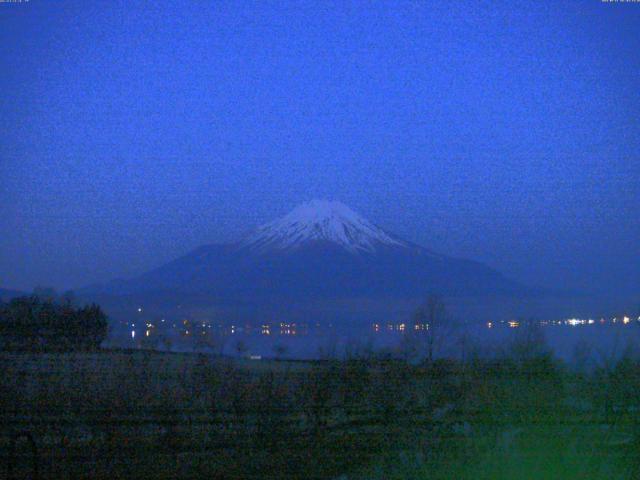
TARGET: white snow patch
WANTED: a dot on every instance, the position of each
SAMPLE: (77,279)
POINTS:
(321,220)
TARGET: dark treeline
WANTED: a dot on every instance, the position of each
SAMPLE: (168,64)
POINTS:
(38,324)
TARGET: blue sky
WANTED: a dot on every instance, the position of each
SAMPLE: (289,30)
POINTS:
(132,132)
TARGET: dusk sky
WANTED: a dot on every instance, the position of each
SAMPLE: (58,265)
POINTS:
(506,132)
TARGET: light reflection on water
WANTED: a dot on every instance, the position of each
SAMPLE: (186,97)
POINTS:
(601,342)
(598,342)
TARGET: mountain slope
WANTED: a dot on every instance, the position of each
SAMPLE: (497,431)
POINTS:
(320,250)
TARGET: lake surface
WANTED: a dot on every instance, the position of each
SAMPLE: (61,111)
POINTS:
(597,343)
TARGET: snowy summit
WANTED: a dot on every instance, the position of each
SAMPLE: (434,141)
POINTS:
(321,220)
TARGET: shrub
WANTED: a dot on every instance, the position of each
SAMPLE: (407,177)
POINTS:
(32,324)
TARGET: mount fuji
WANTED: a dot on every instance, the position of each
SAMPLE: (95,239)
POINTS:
(321,221)
(320,251)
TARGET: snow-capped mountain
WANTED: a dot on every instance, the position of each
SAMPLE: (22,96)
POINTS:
(320,251)
(321,221)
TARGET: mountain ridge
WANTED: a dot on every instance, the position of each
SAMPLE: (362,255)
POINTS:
(320,249)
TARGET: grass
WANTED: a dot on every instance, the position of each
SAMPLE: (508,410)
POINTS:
(141,414)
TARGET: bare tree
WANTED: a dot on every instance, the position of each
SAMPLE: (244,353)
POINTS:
(280,350)
(210,340)
(529,342)
(165,342)
(431,325)
(329,351)
(241,348)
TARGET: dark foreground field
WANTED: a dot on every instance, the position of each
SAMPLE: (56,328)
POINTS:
(160,415)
